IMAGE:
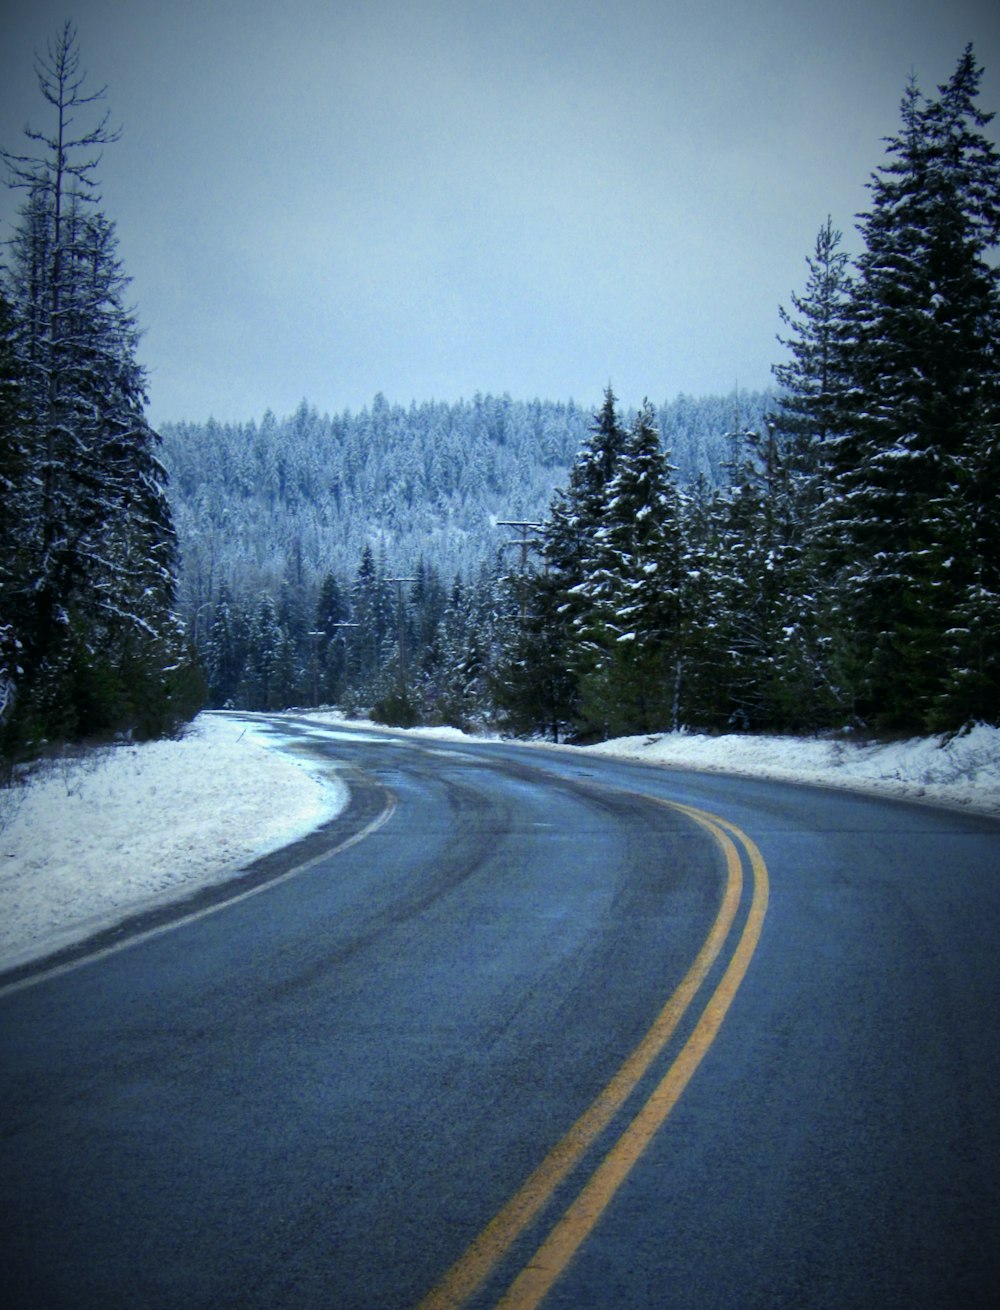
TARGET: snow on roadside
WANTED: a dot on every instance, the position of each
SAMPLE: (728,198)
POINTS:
(85,844)
(961,770)
(89,842)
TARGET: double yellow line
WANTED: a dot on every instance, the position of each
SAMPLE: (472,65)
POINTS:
(549,1261)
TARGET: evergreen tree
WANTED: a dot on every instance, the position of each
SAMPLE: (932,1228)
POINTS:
(811,409)
(534,686)
(578,511)
(768,671)
(703,639)
(371,610)
(266,681)
(225,651)
(570,552)
(101,645)
(628,621)
(13,504)
(811,381)
(921,412)
(331,613)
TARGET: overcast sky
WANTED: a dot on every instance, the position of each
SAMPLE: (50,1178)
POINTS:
(325,199)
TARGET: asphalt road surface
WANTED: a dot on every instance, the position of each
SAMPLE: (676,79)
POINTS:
(526,1027)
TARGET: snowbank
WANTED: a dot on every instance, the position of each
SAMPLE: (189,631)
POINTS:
(89,842)
(962,770)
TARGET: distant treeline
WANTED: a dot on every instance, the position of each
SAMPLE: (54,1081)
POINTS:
(287,500)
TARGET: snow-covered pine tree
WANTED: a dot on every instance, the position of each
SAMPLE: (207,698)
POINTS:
(764,644)
(332,611)
(811,382)
(703,698)
(576,515)
(965,171)
(535,685)
(577,512)
(101,645)
(225,651)
(268,674)
(13,505)
(371,611)
(787,466)
(921,413)
(461,673)
(627,621)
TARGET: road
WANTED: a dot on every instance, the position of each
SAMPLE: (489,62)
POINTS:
(527,1027)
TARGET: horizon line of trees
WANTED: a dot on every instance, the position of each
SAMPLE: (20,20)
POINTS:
(260,506)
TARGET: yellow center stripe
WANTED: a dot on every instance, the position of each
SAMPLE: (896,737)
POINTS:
(536,1279)
(503,1230)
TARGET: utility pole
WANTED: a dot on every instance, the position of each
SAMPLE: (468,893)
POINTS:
(529,537)
(401,631)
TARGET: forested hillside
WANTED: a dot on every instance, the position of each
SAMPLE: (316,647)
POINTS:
(285,501)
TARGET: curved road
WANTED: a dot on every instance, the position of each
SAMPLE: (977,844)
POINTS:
(526,1027)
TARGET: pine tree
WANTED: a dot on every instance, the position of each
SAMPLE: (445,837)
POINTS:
(920,416)
(769,670)
(571,554)
(101,645)
(811,408)
(628,620)
(534,685)
(332,612)
(811,382)
(371,610)
(704,639)
(13,505)
(225,651)
(267,672)
(577,512)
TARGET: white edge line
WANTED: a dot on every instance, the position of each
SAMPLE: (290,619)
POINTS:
(57,971)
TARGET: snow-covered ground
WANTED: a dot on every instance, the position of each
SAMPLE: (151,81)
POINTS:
(87,843)
(962,770)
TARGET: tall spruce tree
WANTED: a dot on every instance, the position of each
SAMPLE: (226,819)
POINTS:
(763,641)
(908,517)
(811,382)
(787,468)
(101,647)
(225,651)
(371,611)
(332,615)
(578,511)
(13,503)
(570,551)
(628,619)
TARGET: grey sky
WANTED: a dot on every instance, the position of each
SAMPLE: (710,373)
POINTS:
(331,198)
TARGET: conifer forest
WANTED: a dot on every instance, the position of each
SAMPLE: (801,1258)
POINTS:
(822,556)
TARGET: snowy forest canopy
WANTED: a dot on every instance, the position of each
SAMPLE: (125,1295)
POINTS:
(287,500)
